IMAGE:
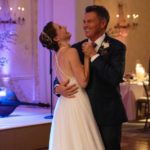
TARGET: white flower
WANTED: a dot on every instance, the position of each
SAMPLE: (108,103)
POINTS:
(105,45)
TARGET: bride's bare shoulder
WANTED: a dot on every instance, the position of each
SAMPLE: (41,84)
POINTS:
(72,51)
(73,55)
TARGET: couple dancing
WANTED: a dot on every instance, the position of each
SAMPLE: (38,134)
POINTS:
(89,113)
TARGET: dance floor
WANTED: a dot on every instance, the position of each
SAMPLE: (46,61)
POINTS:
(25,116)
(25,129)
(134,137)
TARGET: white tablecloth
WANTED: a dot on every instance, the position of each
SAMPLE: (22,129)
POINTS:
(130,93)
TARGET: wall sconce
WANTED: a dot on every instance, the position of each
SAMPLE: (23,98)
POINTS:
(11,15)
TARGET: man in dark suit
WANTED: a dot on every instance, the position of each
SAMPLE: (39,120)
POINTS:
(106,71)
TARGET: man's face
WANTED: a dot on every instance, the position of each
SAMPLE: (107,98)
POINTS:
(93,26)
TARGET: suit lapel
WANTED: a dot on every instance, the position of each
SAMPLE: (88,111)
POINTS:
(106,39)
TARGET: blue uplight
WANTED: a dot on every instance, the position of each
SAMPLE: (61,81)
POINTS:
(2,92)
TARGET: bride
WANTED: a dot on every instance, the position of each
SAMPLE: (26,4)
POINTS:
(73,126)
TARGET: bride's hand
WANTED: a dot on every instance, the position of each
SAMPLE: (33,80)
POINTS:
(66,90)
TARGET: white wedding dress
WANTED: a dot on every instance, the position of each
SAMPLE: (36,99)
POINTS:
(73,125)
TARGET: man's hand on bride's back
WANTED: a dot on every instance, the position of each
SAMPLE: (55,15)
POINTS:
(66,90)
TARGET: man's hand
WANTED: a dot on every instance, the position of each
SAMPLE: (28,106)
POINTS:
(88,49)
(66,90)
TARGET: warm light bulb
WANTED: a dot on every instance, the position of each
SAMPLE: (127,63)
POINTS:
(133,16)
(128,16)
(22,8)
(117,16)
(137,15)
(19,8)
(11,9)
(0,8)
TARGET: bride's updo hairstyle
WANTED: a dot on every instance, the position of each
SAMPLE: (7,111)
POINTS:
(47,35)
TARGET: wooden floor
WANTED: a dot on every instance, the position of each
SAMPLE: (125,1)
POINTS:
(134,137)
(135,144)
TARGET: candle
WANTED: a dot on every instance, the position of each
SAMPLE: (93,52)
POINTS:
(140,73)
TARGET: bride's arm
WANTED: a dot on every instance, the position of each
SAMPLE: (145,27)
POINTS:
(81,72)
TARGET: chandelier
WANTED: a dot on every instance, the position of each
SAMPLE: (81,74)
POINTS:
(124,23)
(10,14)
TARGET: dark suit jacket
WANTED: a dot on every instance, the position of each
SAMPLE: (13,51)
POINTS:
(106,73)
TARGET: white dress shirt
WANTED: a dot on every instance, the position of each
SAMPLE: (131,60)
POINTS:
(98,45)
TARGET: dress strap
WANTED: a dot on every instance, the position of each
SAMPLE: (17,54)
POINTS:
(59,69)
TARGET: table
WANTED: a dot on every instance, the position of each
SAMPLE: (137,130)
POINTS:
(130,92)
